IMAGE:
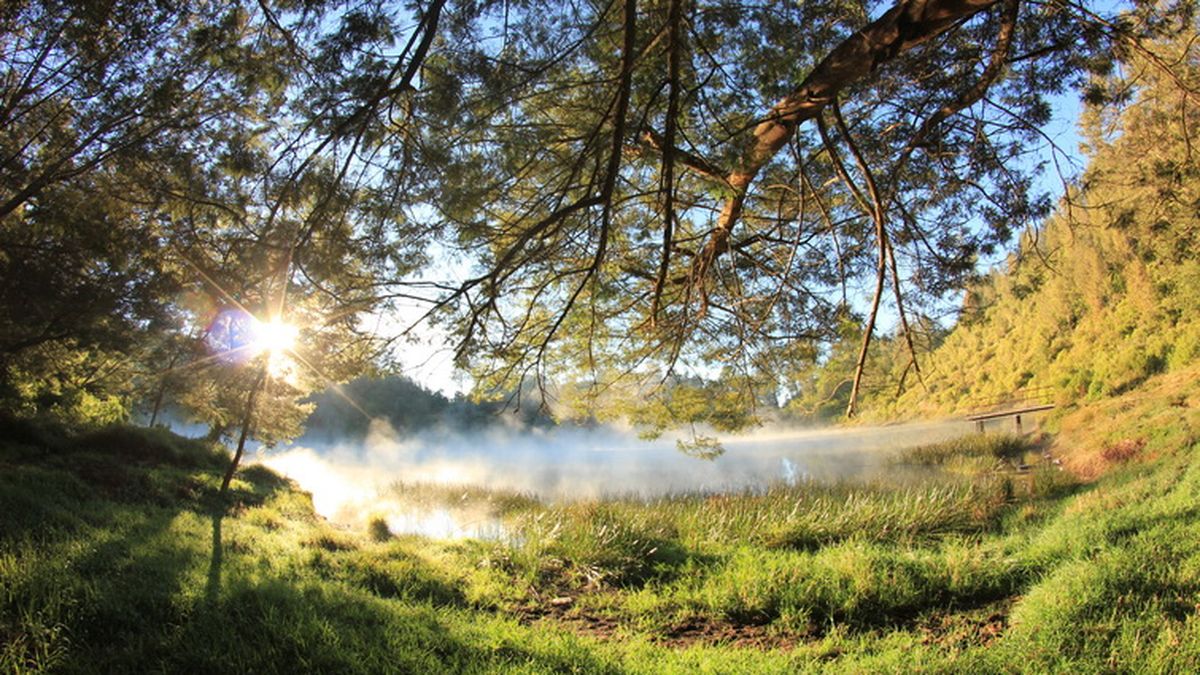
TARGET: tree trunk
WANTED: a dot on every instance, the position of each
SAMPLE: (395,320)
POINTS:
(247,420)
(158,399)
(162,389)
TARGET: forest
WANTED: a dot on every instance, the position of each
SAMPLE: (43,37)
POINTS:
(742,235)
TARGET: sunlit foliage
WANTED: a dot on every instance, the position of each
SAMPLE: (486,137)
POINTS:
(1104,294)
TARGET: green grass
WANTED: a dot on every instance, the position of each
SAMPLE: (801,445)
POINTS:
(115,556)
(496,503)
(996,446)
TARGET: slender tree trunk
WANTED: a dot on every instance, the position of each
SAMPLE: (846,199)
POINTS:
(908,339)
(162,389)
(247,421)
(158,398)
(869,330)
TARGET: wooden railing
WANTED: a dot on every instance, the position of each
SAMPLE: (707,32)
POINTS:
(1020,402)
(1020,398)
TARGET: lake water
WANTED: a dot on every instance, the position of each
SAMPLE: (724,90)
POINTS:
(353,481)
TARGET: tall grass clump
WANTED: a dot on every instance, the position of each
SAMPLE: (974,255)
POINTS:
(599,544)
(811,515)
(498,503)
(629,542)
(996,446)
(905,515)
(378,530)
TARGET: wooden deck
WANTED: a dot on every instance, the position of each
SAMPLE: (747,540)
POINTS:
(997,414)
(1021,402)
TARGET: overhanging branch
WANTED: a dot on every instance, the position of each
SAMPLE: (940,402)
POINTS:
(905,26)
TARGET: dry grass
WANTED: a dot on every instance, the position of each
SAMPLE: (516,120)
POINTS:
(1161,417)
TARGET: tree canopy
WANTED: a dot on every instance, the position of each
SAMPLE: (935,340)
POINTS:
(727,183)
(579,191)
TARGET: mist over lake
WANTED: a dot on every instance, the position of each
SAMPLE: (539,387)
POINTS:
(567,464)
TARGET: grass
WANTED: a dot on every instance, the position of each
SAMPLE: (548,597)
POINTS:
(115,556)
(497,503)
(996,446)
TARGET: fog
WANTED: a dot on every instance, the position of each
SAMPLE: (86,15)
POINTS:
(352,481)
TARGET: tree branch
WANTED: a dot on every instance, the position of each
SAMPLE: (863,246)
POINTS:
(657,142)
(1008,22)
(668,155)
(907,25)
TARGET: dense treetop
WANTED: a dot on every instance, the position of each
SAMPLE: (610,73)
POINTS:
(579,191)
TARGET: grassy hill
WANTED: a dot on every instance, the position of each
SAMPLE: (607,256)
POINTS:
(1104,295)
(116,556)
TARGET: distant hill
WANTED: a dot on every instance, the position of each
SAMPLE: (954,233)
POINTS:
(345,412)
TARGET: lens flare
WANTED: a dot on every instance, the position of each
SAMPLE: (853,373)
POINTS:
(230,336)
(236,336)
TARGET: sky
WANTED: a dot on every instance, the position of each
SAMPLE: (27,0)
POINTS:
(428,358)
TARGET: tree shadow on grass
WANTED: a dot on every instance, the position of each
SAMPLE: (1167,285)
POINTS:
(212,587)
(122,551)
(257,485)
(287,620)
(283,626)
(144,578)
(165,589)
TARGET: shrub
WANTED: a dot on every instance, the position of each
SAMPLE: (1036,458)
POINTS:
(149,445)
(332,542)
(603,544)
(377,529)
(33,432)
(999,446)
(1123,450)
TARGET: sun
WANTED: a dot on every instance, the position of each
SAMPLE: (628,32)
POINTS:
(274,337)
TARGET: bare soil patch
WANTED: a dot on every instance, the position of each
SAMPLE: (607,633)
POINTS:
(960,630)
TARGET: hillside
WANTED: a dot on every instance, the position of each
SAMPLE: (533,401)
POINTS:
(1104,295)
